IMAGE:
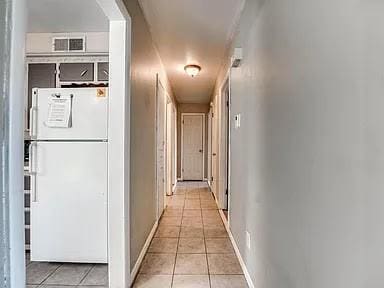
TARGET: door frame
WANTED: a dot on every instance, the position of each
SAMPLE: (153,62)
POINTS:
(170,151)
(182,141)
(158,84)
(224,144)
(119,141)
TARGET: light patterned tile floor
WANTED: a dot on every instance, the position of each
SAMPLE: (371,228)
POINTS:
(52,275)
(191,248)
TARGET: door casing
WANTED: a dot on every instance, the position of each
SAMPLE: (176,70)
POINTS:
(182,143)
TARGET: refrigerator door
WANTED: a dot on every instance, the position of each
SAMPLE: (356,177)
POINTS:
(69,202)
(89,114)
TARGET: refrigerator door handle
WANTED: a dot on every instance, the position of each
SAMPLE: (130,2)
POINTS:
(32,122)
(32,172)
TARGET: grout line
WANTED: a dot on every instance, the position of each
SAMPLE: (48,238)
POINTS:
(205,246)
(177,247)
(86,274)
(50,274)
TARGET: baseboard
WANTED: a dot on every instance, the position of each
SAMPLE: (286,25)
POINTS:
(237,251)
(136,268)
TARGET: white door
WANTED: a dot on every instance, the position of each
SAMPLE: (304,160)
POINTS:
(161,137)
(193,147)
(209,148)
(69,202)
(89,114)
(214,158)
(169,154)
(174,146)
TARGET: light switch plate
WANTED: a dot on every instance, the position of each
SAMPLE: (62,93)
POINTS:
(237,121)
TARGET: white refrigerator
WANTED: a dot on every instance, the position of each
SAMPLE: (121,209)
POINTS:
(69,175)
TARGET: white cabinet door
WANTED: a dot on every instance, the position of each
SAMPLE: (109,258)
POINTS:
(69,202)
(89,115)
(193,156)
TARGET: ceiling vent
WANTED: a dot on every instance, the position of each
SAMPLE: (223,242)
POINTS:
(68,44)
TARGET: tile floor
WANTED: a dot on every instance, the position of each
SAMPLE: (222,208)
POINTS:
(55,275)
(191,248)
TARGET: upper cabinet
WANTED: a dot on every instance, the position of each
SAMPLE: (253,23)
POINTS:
(102,71)
(61,72)
(76,72)
(40,75)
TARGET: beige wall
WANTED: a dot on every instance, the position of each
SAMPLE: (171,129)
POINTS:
(191,108)
(144,67)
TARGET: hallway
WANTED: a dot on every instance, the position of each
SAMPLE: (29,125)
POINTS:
(191,248)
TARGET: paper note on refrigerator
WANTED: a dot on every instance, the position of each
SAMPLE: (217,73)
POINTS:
(59,113)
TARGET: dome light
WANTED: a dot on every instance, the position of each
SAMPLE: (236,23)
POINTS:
(192,70)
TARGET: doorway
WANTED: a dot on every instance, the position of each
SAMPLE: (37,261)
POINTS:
(225,96)
(192,146)
(161,159)
(118,226)
(171,147)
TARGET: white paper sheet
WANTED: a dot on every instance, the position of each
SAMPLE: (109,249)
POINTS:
(59,112)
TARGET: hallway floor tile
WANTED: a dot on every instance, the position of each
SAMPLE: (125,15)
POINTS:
(191,248)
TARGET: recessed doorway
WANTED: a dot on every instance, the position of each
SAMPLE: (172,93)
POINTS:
(192,146)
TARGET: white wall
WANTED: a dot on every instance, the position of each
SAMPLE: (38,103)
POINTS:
(16,147)
(41,43)
(145,64)
(308,161)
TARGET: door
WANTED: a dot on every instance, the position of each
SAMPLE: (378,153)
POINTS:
(209,154)
(169,184)
(69,202)
(89,114)
(193,147)
(161,157)
(226,134)
(215,149)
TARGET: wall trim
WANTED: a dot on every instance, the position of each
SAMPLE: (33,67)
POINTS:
(136,268)
(237,251)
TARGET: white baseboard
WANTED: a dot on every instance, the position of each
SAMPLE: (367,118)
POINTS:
(136,268)
(237,251)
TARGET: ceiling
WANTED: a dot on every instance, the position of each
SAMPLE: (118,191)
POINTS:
(192,32)
(66,16)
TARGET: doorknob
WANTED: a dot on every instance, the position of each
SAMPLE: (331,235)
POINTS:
(201,151)
(213,154)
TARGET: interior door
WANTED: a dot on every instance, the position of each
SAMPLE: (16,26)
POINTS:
(161,146)
(169,148)
(214,158)
(193,150)
(226,119)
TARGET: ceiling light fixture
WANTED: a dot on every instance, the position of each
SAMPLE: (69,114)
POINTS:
(192,70)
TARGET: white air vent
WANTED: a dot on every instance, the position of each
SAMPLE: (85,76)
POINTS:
(68,44)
